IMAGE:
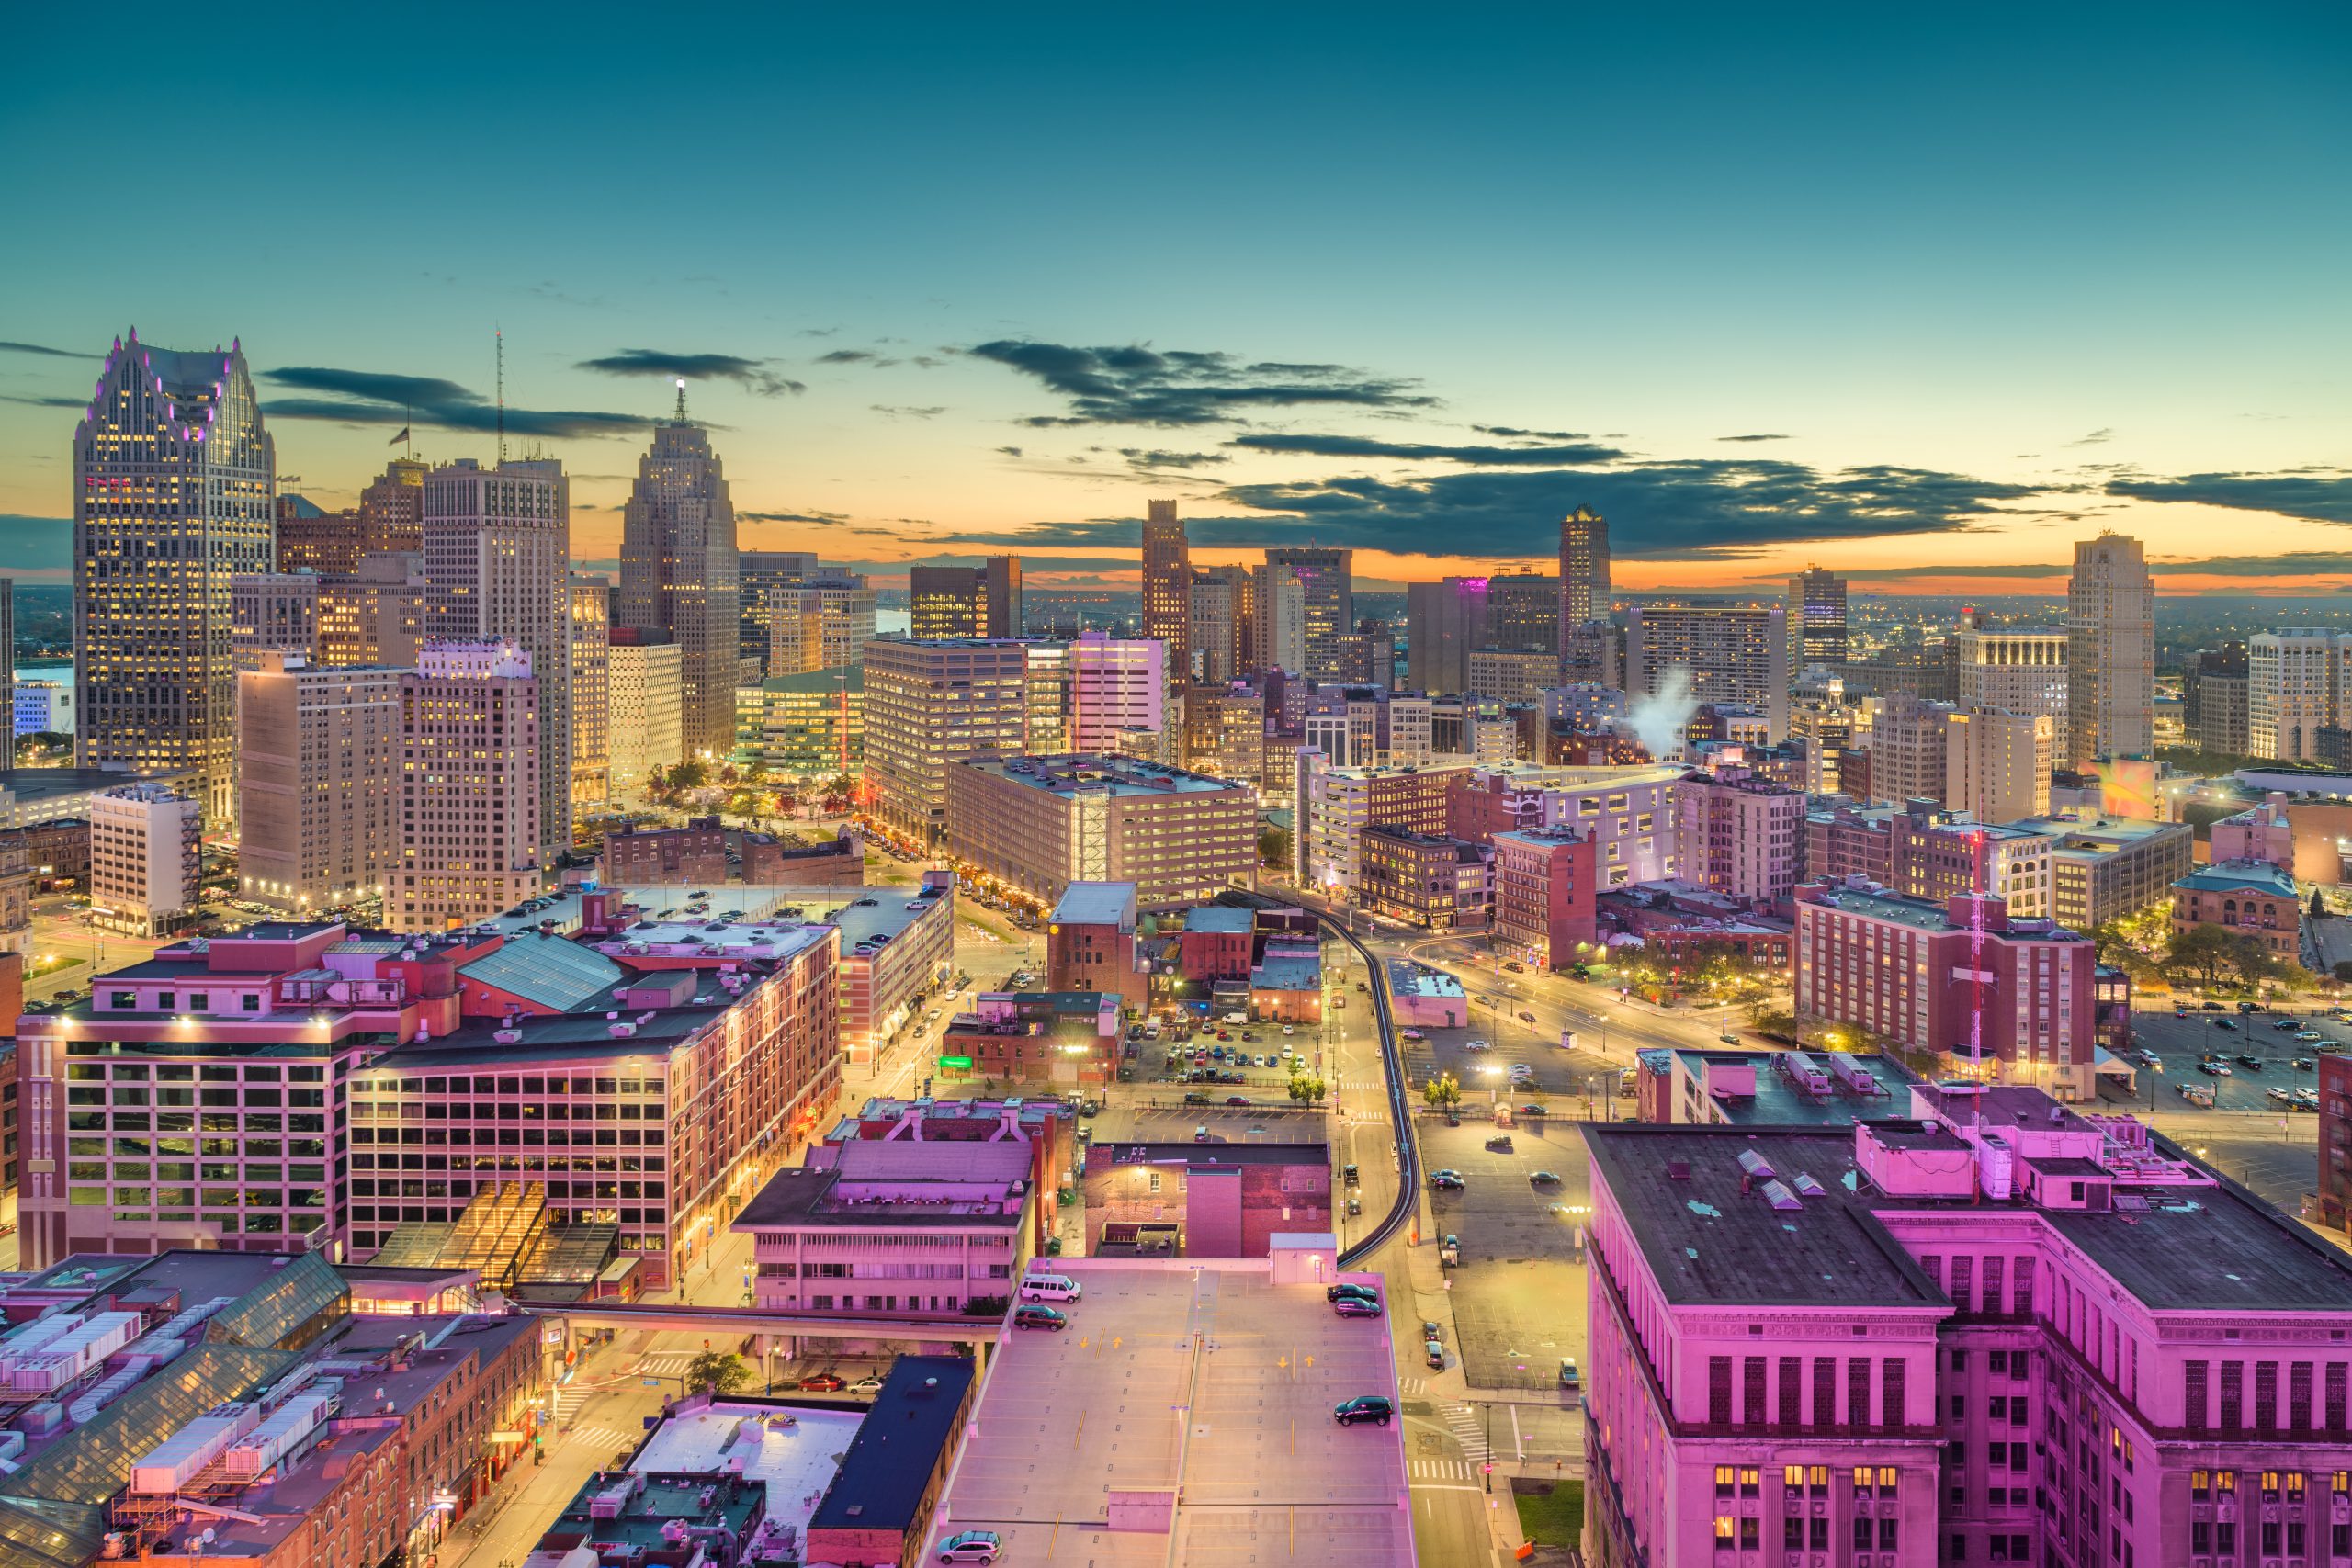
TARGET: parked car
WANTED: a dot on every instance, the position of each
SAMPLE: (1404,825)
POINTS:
(2249,1007)
(822,1382)
(1236,1099)
(1569,1371)
(2302,1064)
(2286,1024)
(1374,1407)
(1500,1143)
(2249,1061)
(1544,1178)
(1410,1034)
(1534,1108)
(1429,1329)
(970,1546)
(1447,1181)
(1351,1288)
(1473,1045)
(1033,1316)
(1348,1175)
(2226,1024)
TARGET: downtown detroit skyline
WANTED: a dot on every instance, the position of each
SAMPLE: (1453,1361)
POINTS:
(1926,308)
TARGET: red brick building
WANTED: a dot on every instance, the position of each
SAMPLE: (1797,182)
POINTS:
(1426,879)
(1985,993)
(2246,898)
(1091,942)
(2334,1138)
(1545,884)
(1068,1038)
(1218,942)
(1207,1200)
(770,861)
(693,855)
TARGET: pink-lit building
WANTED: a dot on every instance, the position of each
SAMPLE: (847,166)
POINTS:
(1211,1199)
(2003,1332)
(1986,993)
(1115,683)
(2262,832)
(897,1225)
(1545,880)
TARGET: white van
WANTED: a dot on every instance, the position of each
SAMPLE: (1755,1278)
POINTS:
(1049,1288)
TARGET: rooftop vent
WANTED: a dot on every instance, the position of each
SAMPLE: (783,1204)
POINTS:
(1809,1186)
(1755,1165)
(1777,1193)
(1678,1170)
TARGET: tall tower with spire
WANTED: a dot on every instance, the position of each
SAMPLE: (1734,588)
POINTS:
(679,566)
(1168,587)
(174,491)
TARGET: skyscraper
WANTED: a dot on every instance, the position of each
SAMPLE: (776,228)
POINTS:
(1584,571)
(1444,621)
(1326,575)
(1215,630)
(1116,684)
(1168,587)
(928,705)
(1278,635)
(498,568)
(641,711)
(966,600)
(757,573)
(1816,619)
(1731,653)
(392,509)
(592,746)
(175,481)
(472,726)
(319,781)
(823,624)
(2110,652)
(678,568)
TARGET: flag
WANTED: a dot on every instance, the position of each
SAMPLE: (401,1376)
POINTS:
(396,440)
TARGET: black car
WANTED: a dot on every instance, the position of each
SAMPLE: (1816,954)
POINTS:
(1447,1181)
(1196,1098)
(2250,1062)
(1348,1175)
(2226,1024)
(1368,1293)
(1365,1408)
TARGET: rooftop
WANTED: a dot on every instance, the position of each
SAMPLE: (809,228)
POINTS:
(1220,919)
(2240,876)
(1715,1238)
(1287,972)
(1780,1100)
(1250,1464)
(547,970)
(1069,774)
(1097,904)
(559,1037)
(897,1182)
(889,1464)
(1411,979)
(794,1448)
(881,915)
(2210,1249)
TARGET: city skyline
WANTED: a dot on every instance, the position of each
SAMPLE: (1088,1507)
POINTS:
(1747,359)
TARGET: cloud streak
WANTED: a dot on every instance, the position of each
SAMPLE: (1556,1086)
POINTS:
(372,396)
(2320,494)
(751,374)
(43,350)
(1548,456)
(1136,385)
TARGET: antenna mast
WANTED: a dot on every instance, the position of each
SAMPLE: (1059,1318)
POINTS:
(502,395)
(682,401)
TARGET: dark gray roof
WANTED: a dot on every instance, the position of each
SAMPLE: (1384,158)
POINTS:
(887,1471)
(1709,1243)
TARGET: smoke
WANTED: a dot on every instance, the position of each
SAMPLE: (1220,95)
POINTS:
(1662,718)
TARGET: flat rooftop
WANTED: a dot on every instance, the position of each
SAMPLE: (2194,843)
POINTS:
(1220,919)
(880,914)
(796,1448)
(1066,775)
(1413,981)
(1097,904)
(1708,1242)
(1204,1383)
(2209,1250)
(1778,1102)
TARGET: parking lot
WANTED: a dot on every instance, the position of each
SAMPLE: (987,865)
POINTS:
(1582,1083)
(1518,1295)
(2180,1042)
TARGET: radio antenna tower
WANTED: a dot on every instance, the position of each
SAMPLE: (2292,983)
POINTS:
(501,395)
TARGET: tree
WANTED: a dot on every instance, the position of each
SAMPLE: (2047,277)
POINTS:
(2319,905)
(1306,1088)
(2204,952)
(717,1371)
(1273,847)
(1442,1091)
(691,774)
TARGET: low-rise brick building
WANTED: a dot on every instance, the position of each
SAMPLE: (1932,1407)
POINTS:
(2246,897)
(1203,1199)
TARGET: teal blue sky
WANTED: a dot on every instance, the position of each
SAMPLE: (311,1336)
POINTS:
(1987,280)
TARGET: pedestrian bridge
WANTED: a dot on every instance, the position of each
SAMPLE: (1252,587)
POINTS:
(682,1317)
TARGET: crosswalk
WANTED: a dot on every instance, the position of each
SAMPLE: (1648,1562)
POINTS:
(601,1437)
(1468,1430)
(1407,1387)
(1443,1470)
(665,1363)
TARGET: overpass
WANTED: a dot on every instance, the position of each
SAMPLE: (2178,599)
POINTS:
(663,1318)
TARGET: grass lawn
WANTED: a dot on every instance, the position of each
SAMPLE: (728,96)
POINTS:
(1551,1513)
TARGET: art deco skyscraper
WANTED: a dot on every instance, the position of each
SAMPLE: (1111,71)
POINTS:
(1816,620)
(174,482)
(2110,652)
(1327,577)
(1168,587)
(678,568)
(1584,572)
(498,569)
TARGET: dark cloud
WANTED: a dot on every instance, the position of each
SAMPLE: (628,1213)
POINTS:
(1136,385)
(2096,438)
(1010,451)
(1142,458)
(1751,438)
(48,403)
(1511,432)
(821,519)
(899,411)
(846,357)
(1490,456)
(370,397)
(2291,564)
(752,374)
(1723,509)
(6,347)
(2324,495)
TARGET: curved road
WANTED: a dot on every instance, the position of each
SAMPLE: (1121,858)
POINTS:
(1400,1108)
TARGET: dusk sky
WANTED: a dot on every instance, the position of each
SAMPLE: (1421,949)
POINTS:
(1924,305)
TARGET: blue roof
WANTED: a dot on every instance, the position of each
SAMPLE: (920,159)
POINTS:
(887,1470)
(2240,876)
(547,970)
(1222,918)
(1287,973)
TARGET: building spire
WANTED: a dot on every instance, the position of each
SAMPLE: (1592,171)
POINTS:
(682,401)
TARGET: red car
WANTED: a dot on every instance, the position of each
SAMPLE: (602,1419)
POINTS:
(822,1382)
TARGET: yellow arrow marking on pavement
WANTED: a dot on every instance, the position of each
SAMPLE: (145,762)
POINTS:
(1310,1361)
(1117,1340)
